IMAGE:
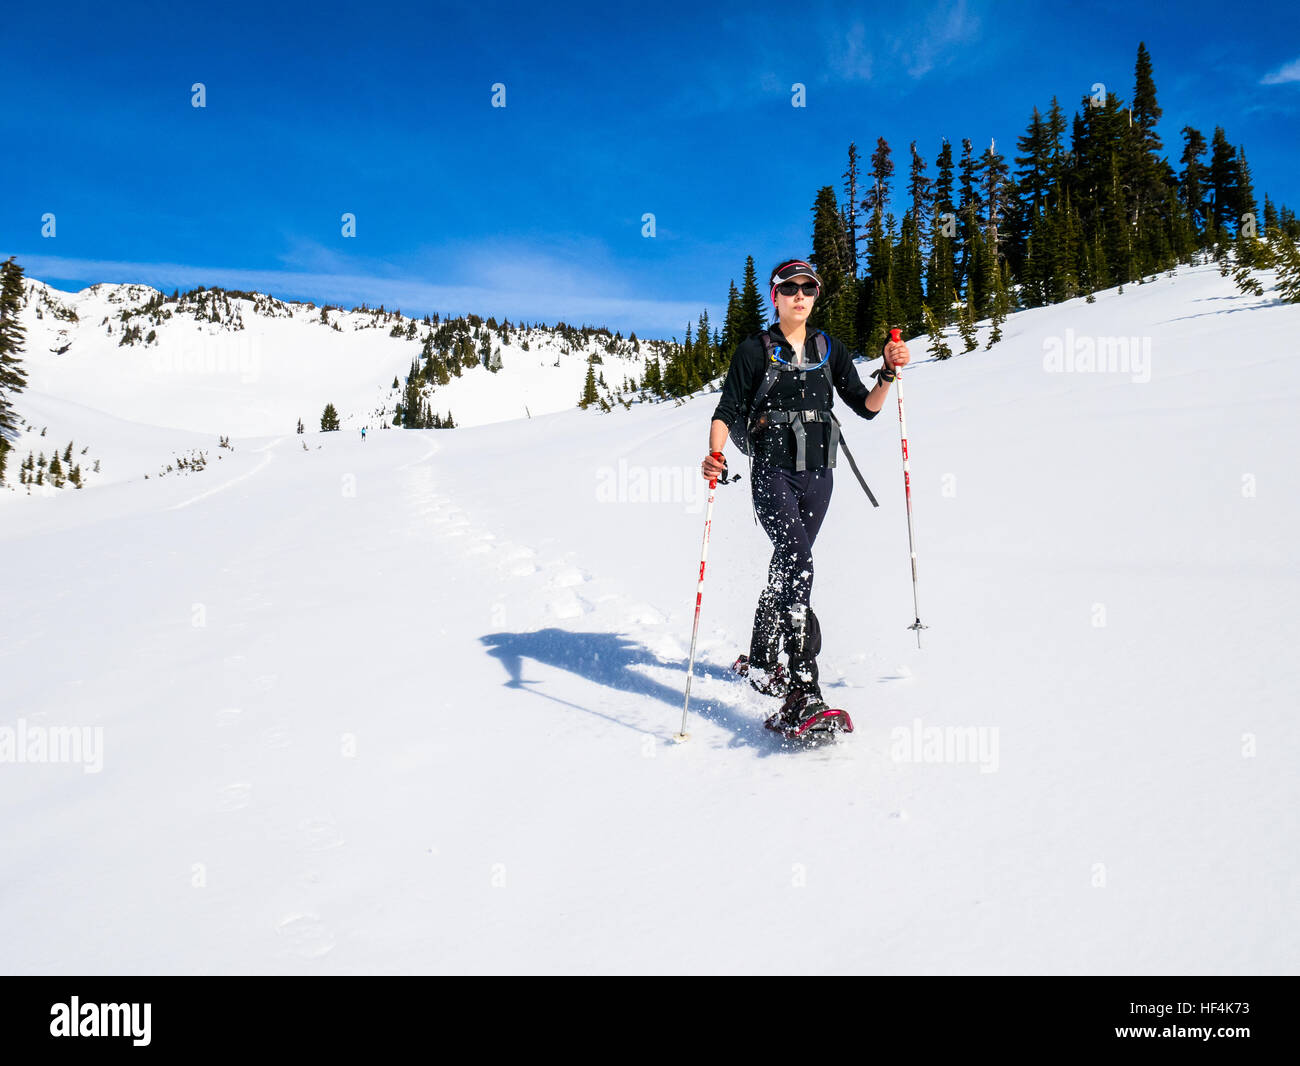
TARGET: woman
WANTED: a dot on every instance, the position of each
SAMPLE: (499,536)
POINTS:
(793,442)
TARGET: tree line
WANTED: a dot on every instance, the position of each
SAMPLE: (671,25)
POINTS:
(1100,207)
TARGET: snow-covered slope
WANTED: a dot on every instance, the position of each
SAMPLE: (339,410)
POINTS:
(247,364)
(406,705)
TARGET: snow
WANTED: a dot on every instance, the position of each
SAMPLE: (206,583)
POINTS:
(406,704)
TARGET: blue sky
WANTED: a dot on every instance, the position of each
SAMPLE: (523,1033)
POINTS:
(534,211)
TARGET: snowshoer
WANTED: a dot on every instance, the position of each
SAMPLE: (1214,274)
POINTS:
(776,405)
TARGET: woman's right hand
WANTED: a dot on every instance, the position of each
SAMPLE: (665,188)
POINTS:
(714,466)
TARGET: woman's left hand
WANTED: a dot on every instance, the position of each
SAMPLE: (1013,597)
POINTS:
(897,355)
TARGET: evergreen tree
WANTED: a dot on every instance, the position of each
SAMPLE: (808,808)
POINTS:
(993,175)
(653,382)
(919,191)
(835,309)
(1270,216)
(412,398)
(850,177)
(882,169)
(730,341)
(13,378)
(966,326)
(938,346)
(967,215)
(1029,201)
(1193,182)
(329,419)
(1223,184)
(708,344)
(300,429)
(753,316)
(589,394)
(1243,193)
(690,371)
(941,282)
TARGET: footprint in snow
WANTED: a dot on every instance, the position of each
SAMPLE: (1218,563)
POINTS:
(305,935)
(567,605)
(568,577)
(235,796)
(319,834)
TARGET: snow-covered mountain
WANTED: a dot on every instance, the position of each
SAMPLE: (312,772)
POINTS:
(216,363)
(406,704)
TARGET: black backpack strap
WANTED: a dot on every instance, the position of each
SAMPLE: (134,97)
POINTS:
(835,432)
(770,375)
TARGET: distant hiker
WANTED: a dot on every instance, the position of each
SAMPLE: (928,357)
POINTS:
(363,432)
(776,404)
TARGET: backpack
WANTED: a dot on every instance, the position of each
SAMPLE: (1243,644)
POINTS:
(742,432)
(755,420)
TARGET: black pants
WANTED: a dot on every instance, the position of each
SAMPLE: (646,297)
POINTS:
(791,506)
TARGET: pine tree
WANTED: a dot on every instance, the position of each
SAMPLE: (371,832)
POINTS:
(882,169)
(753,316)
(589,393)
(993,180)
(1223,188)
(1244,206)
(1192,182)
(835,308)
(1287,257)
(850,177)
(938,346)
(730,326)
(329,419)
(967,215)
(1028,205)
(13,378)
(966,326)
(940,283)
(300,429)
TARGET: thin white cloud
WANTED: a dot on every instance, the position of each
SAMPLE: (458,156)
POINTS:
(1287,72)
(941,37)
(850,56)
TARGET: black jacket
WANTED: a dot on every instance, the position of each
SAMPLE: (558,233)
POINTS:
(793,391)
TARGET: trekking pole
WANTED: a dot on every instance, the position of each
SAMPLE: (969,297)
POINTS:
(699,596)
(894,335)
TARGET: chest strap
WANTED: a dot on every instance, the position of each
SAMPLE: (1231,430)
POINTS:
(796,420)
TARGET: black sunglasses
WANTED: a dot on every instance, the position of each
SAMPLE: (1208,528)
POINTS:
(789,288)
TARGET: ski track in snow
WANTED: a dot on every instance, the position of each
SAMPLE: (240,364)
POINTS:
(262,465)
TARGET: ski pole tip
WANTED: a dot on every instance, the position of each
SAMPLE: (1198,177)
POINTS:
(681,738)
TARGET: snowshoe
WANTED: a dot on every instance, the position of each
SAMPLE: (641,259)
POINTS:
(805,716)
(770,681)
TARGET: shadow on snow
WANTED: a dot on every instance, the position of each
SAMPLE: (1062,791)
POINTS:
(611,660)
